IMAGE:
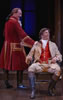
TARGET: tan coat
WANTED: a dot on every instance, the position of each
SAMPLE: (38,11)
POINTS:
(36,52)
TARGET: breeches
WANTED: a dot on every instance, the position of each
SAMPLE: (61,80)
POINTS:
(52,68)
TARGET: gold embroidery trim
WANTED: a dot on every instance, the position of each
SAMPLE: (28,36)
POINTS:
(13,48)
(25,44)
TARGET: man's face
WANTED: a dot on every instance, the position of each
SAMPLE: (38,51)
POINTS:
(19,13)
(45,35)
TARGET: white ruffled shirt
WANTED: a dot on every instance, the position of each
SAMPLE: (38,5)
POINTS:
(20,23)
(44,42)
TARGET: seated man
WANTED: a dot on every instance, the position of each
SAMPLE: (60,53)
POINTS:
(46,55)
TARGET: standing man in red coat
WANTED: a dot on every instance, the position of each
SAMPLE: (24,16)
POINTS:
(13,53)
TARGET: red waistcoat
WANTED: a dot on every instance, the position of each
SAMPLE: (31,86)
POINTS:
(45,55)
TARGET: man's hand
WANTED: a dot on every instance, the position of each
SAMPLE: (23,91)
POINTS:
(54,60)
(28,59)
(22,44)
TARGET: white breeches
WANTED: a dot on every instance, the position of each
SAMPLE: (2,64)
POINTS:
(52,68)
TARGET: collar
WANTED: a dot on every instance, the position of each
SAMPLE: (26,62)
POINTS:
(13,17)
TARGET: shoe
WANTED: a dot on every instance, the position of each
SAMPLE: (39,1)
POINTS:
(21,87)
(52,92)
(8,85)
(32,94)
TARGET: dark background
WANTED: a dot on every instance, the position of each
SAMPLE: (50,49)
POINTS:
(36,15)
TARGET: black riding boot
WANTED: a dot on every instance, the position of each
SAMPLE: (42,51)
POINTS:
(51,88)
(20,80)
(52,85)
(32,84)
(6,79)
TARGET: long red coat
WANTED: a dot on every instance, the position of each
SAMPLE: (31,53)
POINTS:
(12,54)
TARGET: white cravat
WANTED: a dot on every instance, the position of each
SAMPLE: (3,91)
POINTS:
(44,43)
(20,22)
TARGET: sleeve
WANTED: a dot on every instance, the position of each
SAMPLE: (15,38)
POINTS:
(30,55)
(23,36)
(58,54)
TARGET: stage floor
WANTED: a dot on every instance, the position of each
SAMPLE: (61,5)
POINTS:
(24,94)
